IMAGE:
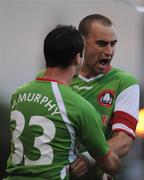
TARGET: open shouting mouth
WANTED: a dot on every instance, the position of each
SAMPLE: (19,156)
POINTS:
(103,63)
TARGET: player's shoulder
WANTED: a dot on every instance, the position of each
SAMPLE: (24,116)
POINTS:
(75,80)
(78,100)
(123,76)
(22,87)
(68,91)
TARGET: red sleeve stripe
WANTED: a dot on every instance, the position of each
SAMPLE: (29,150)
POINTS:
(103,157)
(120,127)
(125,119)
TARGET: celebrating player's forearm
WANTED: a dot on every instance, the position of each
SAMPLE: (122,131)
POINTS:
(110,164)
(120,143)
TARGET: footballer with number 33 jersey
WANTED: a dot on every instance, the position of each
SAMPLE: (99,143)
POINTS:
(48,118)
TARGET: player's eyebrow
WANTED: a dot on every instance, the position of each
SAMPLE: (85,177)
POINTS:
(103,43)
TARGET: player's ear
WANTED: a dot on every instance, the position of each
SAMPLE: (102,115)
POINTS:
(77,59)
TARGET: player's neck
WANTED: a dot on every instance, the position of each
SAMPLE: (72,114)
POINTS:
(60,75)
(85,72)
(88,73)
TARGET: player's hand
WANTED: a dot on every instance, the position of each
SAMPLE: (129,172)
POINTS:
(80,166)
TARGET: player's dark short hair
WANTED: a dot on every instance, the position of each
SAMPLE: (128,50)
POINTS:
(61,45)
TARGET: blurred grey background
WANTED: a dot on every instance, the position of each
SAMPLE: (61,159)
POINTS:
(23,26)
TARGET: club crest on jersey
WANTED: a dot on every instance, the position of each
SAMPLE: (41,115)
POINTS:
(105,98)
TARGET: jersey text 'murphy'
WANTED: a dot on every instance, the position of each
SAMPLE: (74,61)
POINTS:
(37,98)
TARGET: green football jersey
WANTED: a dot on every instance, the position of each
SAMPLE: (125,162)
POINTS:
(115,96)
(47,119)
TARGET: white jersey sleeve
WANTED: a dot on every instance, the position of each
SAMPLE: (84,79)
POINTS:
(125,115)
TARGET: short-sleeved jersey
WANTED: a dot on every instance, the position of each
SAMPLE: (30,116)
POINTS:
(115,96)
(47,118)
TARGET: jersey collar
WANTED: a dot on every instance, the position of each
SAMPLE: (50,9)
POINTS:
(90,79)
(48,80)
